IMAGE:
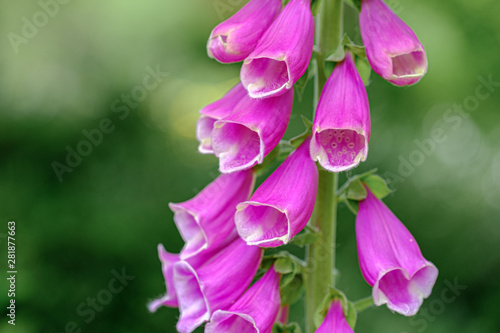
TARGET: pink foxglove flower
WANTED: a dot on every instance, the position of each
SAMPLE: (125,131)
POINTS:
(254,312)
(167,263)
(282,205)
(215,111)
(341,127)
(392,48)
(242,139)
(335,320)
(282,54)
(234,39)
(390,259)
(214,284)
(207,220)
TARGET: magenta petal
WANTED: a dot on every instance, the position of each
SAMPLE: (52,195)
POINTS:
(392,48)
(341,127)
(215,111)
(335,321)
(282,54)
(234,39)
(390,259)
(167,263)
(282,205)
(215,284)
(242,139)
(255,311)
(207,220)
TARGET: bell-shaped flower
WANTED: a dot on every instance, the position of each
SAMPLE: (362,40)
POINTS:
(282,205)
(207,220)
(390,259)
(282,54)
(341,128)
(254,312)
(215,111)
(392,48)
(235,38)
(167,263)
(335,320)
(242,139)
(214,284)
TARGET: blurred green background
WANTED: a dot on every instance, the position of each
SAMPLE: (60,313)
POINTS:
(69,72)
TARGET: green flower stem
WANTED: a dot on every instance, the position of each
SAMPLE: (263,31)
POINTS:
(363,304)
(321,255)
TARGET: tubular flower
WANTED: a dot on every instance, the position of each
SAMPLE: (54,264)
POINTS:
(390,259)
(341,128)
(215,111)
(392,48)
(213,284)
(167,263)
(254,312)
(282,54)
(242,139)
(335,320)
(282,205)
(207,220)
(234,39)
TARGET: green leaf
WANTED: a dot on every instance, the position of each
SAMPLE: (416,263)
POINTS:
(377,185)
(307,236)
(356,190)
(286,328)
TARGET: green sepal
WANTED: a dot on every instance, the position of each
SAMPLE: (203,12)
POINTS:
(356,190)
(307,236)
(377,185)
(285,2)
(286,328)
(315,6)
(291,270)
(301,84)
(297,141)
(291,288)
(364,69)
(353,206)
(348,307)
